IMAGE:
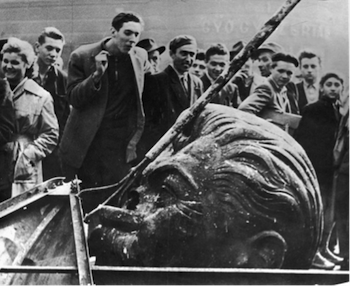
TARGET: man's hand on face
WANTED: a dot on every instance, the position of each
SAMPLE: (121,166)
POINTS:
(101,63)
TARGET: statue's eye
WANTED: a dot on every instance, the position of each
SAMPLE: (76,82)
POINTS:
(166,196)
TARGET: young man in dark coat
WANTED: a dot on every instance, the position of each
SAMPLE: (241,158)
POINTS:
(217,59)
(48,49)
(308,89)
(341,183)
(317,135)
(105,85)
(171,91)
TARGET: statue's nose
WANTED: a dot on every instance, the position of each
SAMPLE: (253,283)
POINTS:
(122,219)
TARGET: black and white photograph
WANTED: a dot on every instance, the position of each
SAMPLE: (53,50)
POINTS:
(183,142)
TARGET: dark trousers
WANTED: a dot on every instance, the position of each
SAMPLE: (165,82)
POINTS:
(6,174)
(342,213)
(51,166)
(105,161)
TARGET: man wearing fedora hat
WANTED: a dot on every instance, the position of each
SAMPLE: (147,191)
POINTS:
(153,51)
(264,54)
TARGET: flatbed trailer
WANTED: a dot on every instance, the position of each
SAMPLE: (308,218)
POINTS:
(43,242)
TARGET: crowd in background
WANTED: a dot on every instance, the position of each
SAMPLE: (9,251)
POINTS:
(100,119)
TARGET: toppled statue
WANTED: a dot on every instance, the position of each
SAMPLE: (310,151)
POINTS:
(232,191)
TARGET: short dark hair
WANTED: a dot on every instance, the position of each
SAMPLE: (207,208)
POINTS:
(285,58)
(326,76)
(216,49)
(308,55)
(200,55)
(180,41)
(119,20)
(51,32)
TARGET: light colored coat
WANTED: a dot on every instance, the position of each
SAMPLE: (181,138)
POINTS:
(36,133)
(265,96)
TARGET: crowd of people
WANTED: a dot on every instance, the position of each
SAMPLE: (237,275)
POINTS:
(100,119)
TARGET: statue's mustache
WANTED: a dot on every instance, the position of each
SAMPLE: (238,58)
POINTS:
(126,220)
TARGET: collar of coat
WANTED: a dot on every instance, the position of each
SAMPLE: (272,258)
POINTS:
(29,85)
(274,85)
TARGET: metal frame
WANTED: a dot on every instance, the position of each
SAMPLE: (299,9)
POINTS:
(88,274)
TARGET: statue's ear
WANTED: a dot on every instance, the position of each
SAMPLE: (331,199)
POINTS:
(267,250)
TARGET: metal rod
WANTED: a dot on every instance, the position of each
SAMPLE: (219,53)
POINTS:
(38,269)
(81,248)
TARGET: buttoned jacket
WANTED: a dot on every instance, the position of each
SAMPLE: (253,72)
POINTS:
(166,97)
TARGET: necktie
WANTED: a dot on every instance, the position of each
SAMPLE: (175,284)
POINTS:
(184,83)
(284,101)
(336,106)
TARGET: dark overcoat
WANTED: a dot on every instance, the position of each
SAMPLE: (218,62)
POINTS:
(89,103)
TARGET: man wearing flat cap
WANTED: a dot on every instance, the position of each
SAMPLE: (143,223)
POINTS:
(153,51)
(264,57)
(171,91)
(269,99)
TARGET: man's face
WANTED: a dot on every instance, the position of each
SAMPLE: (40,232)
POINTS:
(264,63)
(49,51)
(310,69)
(154,59)
(216,65)
(198,68)
(247,67)
(184,57)
(332,88)
(127,36)
(282,73)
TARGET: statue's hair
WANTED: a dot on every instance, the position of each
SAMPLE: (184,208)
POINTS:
(270,174)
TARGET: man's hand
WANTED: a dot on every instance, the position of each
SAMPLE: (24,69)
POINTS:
(101,63)
(240,77)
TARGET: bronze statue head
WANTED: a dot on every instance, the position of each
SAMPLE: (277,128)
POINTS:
(232,191)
